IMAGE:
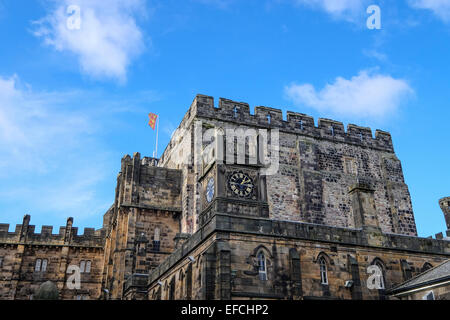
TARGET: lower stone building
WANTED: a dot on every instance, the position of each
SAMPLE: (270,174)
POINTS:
(239,206)
(432,284)
(29,259)
(246,258)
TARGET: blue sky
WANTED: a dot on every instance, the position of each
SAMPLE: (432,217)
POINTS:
(74,101)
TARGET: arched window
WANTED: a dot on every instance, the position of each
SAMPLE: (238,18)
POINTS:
(262,266)
(323,270)
(382,277)
(37,266)
(44,265)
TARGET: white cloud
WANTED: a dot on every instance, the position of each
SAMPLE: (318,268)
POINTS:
(108,38)
(56,155)
(342,9)
(440,8)
(51,159)
(28,125)
(366,95)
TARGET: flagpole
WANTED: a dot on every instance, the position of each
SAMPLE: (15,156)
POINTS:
(157,131)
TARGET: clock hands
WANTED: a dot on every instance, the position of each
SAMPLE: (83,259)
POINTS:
(241,184)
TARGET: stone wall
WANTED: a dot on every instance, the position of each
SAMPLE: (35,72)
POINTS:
(20,250)
(316,166)
(228,247)
(147,205)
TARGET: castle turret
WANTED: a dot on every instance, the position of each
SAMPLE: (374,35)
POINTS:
(444,203)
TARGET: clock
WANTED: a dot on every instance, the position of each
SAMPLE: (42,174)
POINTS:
(210,190)
(241,184)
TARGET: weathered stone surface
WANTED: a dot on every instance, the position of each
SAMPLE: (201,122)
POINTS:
(338,197)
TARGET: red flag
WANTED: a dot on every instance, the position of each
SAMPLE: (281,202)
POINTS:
(152,121)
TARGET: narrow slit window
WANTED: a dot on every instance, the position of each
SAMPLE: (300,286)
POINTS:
(156,240)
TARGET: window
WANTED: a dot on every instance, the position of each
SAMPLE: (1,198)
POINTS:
(235,111)
(44,265)
(156,240)
(37,266)
(85,266)
(426,266)
(323,271)
(300,123)
(382,280)
(262,269)
(349,166)
(269,118)
(1,262)
(82,266)
(332,130)
(88,266)
(428,296)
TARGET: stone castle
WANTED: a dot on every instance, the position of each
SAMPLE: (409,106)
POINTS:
(196,224)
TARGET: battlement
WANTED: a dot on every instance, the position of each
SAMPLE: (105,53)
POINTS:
(297,123)
(441,236)
(143,183)
(145,161)
(149,167)
(25,233)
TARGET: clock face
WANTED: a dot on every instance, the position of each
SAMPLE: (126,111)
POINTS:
(241,184)
(210,190)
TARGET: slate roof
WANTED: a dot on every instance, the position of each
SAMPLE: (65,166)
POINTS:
(437,274)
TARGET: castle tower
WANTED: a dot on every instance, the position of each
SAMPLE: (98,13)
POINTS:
(444,203)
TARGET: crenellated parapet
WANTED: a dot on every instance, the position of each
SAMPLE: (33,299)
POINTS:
(141,183)
(296,123)
(25,234)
